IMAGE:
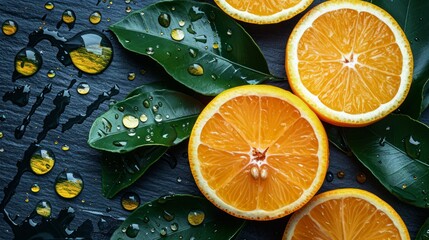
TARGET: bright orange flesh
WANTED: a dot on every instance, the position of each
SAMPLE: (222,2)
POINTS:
(263,11)
(349,63)
(346,214)
(258,152)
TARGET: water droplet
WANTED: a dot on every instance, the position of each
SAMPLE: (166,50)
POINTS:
(196,69)
(163,231)
(42,161)
(83,89)
(155,108)
(130,201)
(215,45)
(195,13)
(174,227)
(158,118)
(95,17)
(412,147)
(361,177)
(404,186)
(341,174)
(35,188)
(132,230)
(143,118)
(27,62)
(129,121)
(131,76)
(164,20)
(177,34)
(102,224)
(201,38)
(44,208)
(27,199)
(68,16)
(229,32)
(146,103)
(416,39)
(148,138)
(179,179)
(128,9)
(127,1)
(150,51)
(9,27)
(49,5)
(1,135)
(329,176)
(228,48)
(415,177)
(214,76)
(190,29)
(193,52)
(181,23)
(120,143)
(196,217)
(90,51)
(168,216)
(382,141)
(65,147)
(68,184)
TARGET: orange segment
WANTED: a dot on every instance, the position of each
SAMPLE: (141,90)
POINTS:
(346,214)
(258,152)
(350,61)
(263,11)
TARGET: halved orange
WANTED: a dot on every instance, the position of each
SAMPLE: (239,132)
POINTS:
(258,152)
(350,62)
(346,214)
(263,11)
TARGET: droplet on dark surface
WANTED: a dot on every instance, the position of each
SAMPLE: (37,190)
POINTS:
(9,27)
(361,178)
(341,174)
(43,208)
(90,51)
(49,5)
(27,63)
(69,18)
(130,201)
(329,176)
(42,161)
(19,96)
(68,184)
(95,17)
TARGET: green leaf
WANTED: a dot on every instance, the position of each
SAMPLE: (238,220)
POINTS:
(336,137)
(167,218)
(118,171)
(211,39)
(412,17)
(423,233)
(396,151)
(164,118)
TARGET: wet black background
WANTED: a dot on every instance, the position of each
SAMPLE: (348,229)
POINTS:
(160,179)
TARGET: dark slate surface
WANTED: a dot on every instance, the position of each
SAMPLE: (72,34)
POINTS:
(161,179)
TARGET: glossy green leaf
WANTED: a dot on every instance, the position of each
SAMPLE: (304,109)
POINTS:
(186,35)
(423,233)
(118,171)
(396,151)
(336,137)
(412,17)
(161,117)
(167,218)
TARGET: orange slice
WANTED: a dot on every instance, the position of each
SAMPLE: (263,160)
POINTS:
(258,152)
(350,61)
(346,214)
(263,11)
